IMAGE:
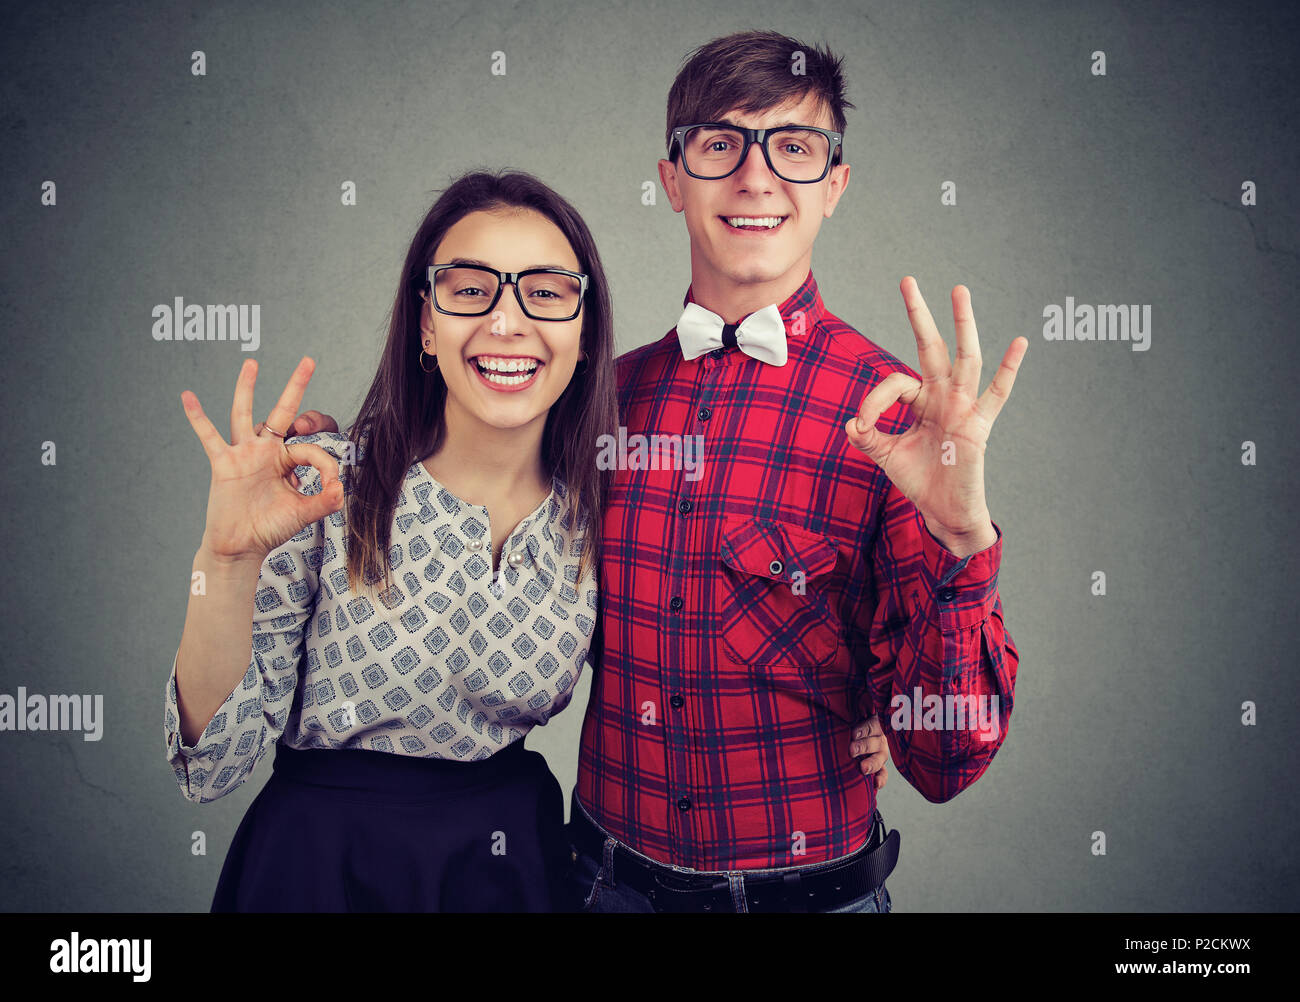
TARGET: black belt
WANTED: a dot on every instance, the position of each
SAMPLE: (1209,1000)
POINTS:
(822,889)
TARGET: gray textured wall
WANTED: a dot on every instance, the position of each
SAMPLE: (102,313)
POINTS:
(1123,189)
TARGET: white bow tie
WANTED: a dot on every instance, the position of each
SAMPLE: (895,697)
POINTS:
(760,335)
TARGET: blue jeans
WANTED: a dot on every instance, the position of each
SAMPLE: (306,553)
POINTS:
(599,891)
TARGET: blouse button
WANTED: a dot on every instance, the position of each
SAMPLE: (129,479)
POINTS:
(516,558)
(775,567)
(475,545)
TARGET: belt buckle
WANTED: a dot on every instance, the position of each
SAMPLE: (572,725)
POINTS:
(788,891)
(783,893)
(671,892)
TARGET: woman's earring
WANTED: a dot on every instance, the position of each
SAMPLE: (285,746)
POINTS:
(434,357)
(425,296)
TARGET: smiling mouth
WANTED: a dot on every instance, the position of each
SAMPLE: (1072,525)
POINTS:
(506,372)
(754,224)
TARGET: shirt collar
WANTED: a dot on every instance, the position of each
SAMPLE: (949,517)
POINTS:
(806,298)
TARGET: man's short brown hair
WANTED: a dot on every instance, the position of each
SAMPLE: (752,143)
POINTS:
(752,71)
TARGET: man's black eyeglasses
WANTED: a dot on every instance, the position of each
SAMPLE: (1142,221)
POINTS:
(799,153)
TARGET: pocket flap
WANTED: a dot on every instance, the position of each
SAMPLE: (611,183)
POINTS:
(774,549)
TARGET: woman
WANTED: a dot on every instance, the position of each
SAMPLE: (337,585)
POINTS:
(415,595)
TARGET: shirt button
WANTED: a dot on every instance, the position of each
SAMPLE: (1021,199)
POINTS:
(775,567)
(475,544)
(684,507)
(704,413)
(675,603)
(676,701)
(516,558)
(947,593)
(684,804)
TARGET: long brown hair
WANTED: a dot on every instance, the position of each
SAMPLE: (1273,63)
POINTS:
(402,417)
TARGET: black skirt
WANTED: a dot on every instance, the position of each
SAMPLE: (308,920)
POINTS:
(337,830)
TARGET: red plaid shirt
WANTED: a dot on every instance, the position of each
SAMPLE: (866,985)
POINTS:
(755,608)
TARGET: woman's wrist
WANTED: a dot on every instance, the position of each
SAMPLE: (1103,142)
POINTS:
(211,560)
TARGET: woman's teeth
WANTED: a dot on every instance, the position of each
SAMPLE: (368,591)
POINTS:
(506,372)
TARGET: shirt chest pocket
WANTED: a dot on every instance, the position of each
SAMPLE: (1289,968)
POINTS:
(774,607)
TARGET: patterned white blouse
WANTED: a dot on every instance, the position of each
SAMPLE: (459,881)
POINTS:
(454,664)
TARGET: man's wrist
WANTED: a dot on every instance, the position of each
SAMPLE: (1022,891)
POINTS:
(966,542)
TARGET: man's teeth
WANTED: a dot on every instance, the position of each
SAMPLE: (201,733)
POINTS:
(507,372)
(768,221)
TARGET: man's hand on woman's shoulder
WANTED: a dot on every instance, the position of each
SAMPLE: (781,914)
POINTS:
(310,422)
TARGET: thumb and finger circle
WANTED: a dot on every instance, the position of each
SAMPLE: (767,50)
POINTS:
(894,387)
(214,444)
(326,467)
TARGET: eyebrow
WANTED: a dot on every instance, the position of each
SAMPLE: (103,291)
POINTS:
(484,264)
(783,125)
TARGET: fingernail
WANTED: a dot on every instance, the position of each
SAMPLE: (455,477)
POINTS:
(861,426)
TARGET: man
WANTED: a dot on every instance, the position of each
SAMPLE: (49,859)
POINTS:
(812,564)
(815,567)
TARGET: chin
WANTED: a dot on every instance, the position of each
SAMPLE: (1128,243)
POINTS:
(502,423)
(767,265)
(756,272)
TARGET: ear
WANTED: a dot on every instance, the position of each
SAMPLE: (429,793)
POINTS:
(668,178)
(839,181)
(426,325)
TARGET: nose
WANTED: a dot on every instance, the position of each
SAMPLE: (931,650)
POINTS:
(753,173)
(508,317)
